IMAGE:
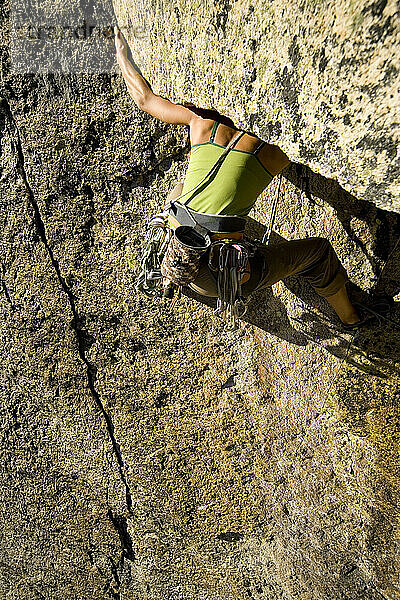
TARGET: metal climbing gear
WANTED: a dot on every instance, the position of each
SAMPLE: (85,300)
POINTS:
(228,260)
(173,258)
(158,236)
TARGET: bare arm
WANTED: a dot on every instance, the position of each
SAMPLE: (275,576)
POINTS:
(140,92)
(137,86)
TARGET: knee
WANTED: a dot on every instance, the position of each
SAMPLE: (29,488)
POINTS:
(323,244)
(321,249)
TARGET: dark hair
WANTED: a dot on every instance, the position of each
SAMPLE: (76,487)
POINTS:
(209,113)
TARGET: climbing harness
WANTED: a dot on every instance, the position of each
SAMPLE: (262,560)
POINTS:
(158,237)
(227,260)
(233,259)
(173,258)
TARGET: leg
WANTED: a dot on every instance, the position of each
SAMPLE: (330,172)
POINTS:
(316,261)
(340,302)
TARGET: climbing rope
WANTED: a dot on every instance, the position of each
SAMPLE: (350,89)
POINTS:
(379,316)
(356,333)
(350,343)
(267,235)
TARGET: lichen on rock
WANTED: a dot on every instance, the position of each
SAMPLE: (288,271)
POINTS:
(320,79)
(146,452)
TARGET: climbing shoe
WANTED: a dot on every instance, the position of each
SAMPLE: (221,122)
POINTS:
(382,303)
(380,306)
(365,319)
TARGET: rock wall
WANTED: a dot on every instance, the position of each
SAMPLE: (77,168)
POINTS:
(146,453)
(320,78)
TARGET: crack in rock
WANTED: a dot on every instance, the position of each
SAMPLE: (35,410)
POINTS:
(109,587)
(7,294)
(121,526)
(77,320)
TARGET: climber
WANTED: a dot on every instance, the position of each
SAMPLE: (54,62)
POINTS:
(249,168)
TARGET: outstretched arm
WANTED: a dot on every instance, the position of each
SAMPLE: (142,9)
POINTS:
(146,100)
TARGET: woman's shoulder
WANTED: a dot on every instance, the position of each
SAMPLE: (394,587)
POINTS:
(200,129)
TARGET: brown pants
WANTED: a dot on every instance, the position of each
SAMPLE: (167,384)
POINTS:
(313,258)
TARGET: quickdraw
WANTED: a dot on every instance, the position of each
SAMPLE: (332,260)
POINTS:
(228,259)
(158,235)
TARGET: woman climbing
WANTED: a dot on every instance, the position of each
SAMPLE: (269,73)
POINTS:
(246,172)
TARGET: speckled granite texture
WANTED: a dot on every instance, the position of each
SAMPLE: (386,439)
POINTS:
(320,78)
(147,454)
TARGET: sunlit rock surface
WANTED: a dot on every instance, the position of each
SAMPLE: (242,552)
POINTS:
(146,453)
(321,79)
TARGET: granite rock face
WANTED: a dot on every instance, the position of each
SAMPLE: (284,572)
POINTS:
(321,79)
(146,453)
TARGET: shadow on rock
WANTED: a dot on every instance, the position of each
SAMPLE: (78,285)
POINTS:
(317,322)
(383,227)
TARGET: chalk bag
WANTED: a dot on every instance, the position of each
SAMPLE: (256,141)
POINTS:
(181,261)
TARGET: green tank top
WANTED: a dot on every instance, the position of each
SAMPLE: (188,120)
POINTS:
(234,189)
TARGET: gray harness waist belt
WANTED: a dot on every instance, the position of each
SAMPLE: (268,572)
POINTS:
(214,223)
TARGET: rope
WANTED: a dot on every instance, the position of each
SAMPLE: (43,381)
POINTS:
(344,359)
(387,260)
(378,315)
(267,235)
(357,331)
